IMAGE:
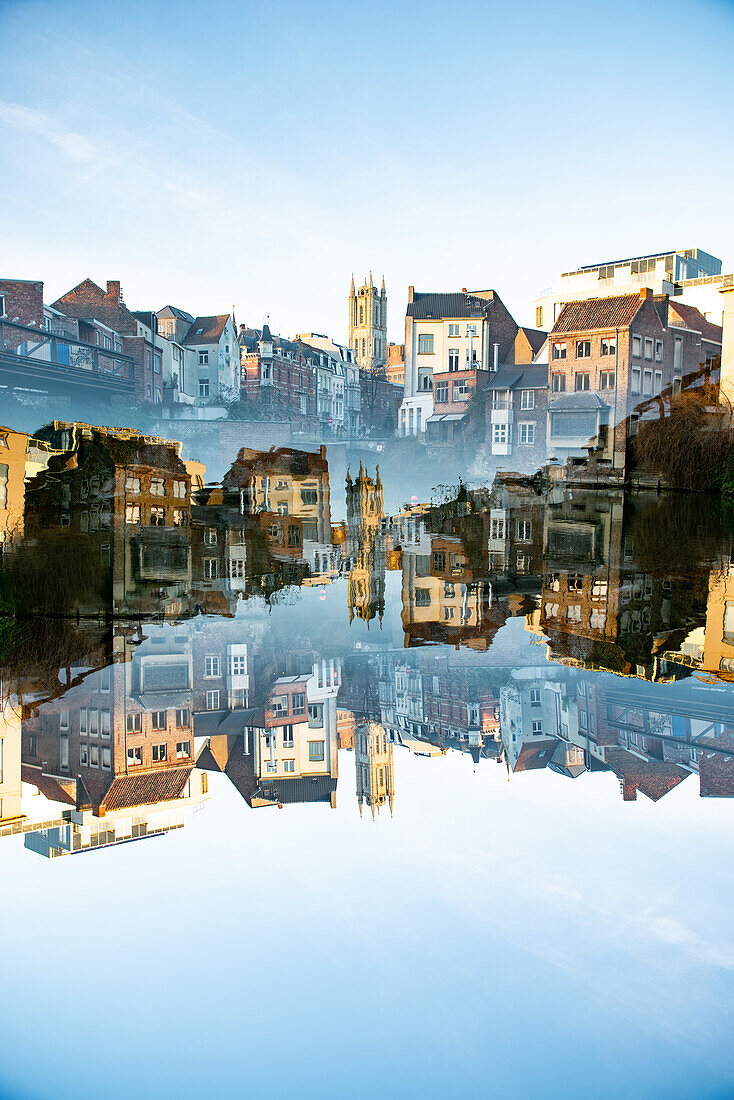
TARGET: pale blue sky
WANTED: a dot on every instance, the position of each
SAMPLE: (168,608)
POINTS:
(218,154)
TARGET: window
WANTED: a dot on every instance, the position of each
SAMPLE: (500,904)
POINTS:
(678,354)
(583,349)
(157,487)
(83,753)
(315,750)
(606,380)
(441,392)
(637,346)
(648,347)
(524,530)
(210,536)
(573,612)
(160,754)
(287,737)
(558,383)
(582,381)
(106,757)
(471,330)
(460,390)
(527,399)
(559,351)
(453,330)
(132,513)
(526,433)
(289,765)
(535,697)
(157,517)
(453,359)
(499,433)
(239,664)
(134,723)
(211,666)
(211,569)
(635,380)
(203,358)
(315,715)
(425,344)
(299,702)
(237,567)
(659,351)
(159,719)
(439,561)
(280,705)
(538,316)
(537,727)
(179,517)
(212,700)
(203,387)
(497,529)
(135,756)
(183,750)
(609,345)
(182,719)
(105,723)
(132,484)
(658,381)
(647,383)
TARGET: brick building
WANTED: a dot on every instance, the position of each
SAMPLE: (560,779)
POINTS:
(89,303)
(280,375)
(609,357)
(516,414)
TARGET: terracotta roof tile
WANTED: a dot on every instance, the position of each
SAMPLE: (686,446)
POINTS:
(211,329)
(597,313)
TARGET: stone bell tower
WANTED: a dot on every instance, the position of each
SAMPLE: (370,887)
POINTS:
(368,324)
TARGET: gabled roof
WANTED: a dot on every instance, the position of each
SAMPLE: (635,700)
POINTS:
(535,755)
(206,330)
(654,778)
(174,311)
(439,305)
(146,788)
(536,337)
(693,318)
(89,302)
(598,313)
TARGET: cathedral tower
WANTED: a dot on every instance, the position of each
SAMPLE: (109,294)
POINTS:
(373,760)
(368,324)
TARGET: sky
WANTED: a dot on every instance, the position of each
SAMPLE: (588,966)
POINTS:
(255,155)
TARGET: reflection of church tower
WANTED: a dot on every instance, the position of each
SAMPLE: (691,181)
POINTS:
(368,324)
(374,763)
(365,546)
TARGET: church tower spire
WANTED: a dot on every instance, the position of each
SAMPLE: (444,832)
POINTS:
(368,324)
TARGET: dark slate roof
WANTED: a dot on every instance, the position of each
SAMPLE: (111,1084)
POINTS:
(212,327)
(536,337)
(437,305)
(174,311)
(509,377)
(653,777)
(266,333)
(597,313)
(299,789)
(572,402)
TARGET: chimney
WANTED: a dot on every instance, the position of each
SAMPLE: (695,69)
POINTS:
(463,290)
(114,293)
(411,292)
(645,293)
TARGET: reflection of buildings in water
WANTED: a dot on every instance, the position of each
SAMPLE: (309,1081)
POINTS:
(375,773)
(124,499)
(365,546)
(10,762)
(285,753)
(21,458)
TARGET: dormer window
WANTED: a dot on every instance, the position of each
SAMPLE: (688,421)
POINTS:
(199,331)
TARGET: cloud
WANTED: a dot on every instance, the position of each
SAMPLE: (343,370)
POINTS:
(27,120)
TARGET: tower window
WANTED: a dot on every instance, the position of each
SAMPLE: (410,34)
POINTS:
(361,315)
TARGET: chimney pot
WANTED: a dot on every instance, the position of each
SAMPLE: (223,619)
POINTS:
(645,293)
